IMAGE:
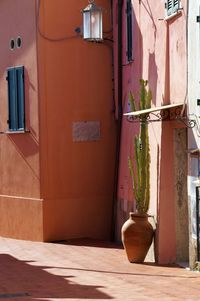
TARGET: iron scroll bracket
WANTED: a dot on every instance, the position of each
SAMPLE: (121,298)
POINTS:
(190,121)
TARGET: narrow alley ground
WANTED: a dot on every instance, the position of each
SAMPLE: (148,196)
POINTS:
(87,271)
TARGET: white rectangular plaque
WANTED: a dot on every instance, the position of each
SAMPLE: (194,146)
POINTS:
(86,131)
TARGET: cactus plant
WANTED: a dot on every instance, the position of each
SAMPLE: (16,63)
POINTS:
(140,174)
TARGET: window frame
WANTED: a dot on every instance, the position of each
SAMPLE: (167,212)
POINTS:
(172,6)
(16,99)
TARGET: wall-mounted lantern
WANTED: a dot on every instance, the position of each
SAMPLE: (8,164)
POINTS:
(92,22)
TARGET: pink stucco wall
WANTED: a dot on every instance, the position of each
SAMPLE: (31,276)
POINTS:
(159,56)
(20,203)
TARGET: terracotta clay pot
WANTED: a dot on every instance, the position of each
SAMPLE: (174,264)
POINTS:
(137,235)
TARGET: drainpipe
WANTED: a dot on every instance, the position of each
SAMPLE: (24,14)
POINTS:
(119,119)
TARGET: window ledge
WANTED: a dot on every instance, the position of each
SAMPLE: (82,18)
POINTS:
(17,132)
(128,63)
(178,12)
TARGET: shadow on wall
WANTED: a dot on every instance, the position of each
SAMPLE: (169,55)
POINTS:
(26,146)
(152,68)
(132,73)
(166,96)
(125,197)
(153,76)
(22,279)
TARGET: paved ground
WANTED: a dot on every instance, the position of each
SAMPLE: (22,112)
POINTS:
(77,271)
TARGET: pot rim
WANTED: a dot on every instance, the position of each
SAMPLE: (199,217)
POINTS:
(137,214)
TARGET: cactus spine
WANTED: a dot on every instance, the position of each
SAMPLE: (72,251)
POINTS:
(141,174)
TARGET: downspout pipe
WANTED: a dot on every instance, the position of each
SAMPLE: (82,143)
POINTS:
(119,116)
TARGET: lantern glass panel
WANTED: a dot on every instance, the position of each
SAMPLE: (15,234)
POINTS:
(86,25)
(96,25)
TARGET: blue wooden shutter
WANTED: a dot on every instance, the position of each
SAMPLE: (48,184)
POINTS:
(15,77)
(20,97)
(12,98)
(129,30)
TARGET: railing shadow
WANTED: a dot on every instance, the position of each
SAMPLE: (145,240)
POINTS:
(138,274)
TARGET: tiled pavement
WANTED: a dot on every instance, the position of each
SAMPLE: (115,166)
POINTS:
(89,271)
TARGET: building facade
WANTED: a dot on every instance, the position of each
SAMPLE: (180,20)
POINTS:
(57,123)
(153,36)
(64,171)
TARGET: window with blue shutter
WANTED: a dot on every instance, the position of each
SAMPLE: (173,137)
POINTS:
(172,6)
(15,78)
(129,30)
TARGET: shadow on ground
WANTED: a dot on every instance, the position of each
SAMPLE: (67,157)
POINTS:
(89,242)
(22,281)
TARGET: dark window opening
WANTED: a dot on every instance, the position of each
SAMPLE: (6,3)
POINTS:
(12,44)
(129,30)
(19,42)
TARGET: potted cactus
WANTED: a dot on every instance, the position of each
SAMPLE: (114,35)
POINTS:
(137,232)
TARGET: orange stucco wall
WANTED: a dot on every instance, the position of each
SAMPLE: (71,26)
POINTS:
(57,183)
(75,86)
(20,203)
